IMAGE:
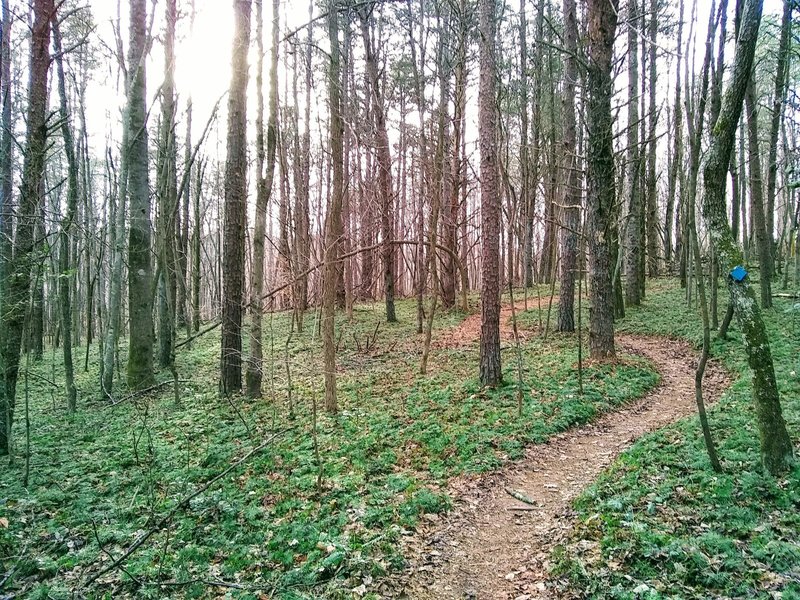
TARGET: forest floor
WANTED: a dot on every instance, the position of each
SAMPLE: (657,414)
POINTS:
(349,505)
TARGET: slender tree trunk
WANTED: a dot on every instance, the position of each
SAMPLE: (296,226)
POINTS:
(572,195)
(633,220)
(235,207)
(333,226)
(778,100)
(651,203)
(15,295)
(524,149)
(301,211)
(115,277)
(491,373)
(776,446)
(763,236)
(384,162)
(197,232)
(600,224)
(264,183)
(140,300)
(6,150)
(183,238)
(677,153)
(168,197)
(65,263)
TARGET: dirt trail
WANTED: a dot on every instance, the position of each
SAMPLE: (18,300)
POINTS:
(485,550)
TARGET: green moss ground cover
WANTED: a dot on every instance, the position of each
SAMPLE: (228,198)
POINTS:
(660,523)
(106,475)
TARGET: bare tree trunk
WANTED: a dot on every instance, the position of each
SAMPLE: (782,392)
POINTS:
(197,232)
(524,148)
(633,220)
(235,207)
(763,236)
(384,161)
(301,212)
(677,153)
(602,23)
(453,213)
(302,183)
(65,263)
(15,295)
(778,100)
(183,238)
(333,227)
(572,195)
(115,278)
(491,373)
(167,186)
(651,204)
(263,193)
(776,446)
(6,149)
(140,300)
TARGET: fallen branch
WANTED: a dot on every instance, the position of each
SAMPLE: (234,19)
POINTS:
(180,505)
(521,508)
(517,495)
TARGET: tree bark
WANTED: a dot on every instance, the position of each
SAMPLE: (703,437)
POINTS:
(677,154)
(167,186)
(264,183)
(235,207)
(651,203)
(333,226)
(65,262)
(6,148)
(778,100)
(140,300)
(572,194)
(633,220)
(601,27)
(491,373)
(762,235)
(14,304)
(384,160)
(776,446)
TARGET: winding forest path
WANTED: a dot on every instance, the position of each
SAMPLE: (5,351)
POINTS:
(485,549)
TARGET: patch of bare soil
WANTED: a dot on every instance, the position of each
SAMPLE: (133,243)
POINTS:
(469,330)
(492,546)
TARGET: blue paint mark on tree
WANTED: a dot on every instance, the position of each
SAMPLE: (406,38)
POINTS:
(739,273)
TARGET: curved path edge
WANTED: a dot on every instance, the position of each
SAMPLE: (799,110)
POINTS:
(484,549)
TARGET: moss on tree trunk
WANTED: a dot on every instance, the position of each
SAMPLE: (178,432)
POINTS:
(776,447)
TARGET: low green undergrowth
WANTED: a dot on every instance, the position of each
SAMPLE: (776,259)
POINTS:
(660,523)
(310,515)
